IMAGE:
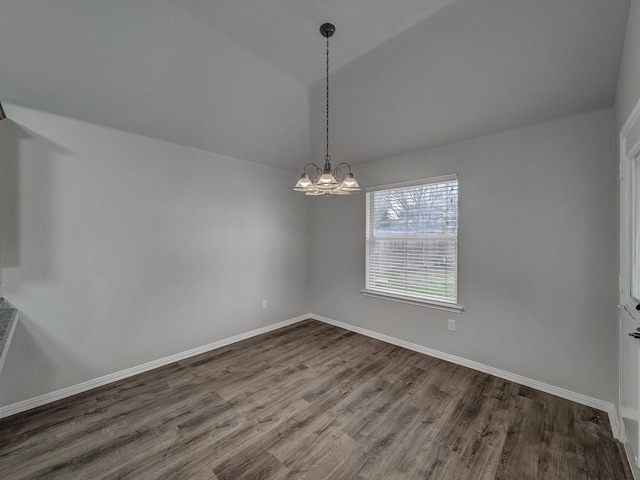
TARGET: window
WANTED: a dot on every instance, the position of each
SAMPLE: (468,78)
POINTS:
(412,242)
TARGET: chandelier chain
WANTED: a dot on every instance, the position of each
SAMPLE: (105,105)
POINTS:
(327,157)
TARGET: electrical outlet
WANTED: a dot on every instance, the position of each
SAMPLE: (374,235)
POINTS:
(264,304)
(452,325)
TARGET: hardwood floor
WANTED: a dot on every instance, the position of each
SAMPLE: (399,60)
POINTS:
(311,401)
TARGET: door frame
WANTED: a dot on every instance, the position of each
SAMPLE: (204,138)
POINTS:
(629,154)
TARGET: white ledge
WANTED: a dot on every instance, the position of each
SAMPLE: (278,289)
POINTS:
(8,322)
(448,307)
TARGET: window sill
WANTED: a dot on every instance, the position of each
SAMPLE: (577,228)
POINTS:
(448,307)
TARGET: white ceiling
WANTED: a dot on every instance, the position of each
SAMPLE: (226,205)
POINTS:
(245,78)
(286,32)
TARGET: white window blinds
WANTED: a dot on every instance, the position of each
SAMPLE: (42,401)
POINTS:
(412,240)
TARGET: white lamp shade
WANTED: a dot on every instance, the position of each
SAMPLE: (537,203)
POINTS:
(304,184)
(327,180)
(350,184)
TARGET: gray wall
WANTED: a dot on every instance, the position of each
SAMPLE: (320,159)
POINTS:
(537,254)
(120,249)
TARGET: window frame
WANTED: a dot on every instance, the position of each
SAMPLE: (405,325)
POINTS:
(397,297)
(629,271)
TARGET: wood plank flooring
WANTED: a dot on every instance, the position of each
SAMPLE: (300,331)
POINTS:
(311,401)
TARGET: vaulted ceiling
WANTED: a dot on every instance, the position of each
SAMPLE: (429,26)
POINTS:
(245,78)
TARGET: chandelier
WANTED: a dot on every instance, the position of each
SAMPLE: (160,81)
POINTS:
(327,181)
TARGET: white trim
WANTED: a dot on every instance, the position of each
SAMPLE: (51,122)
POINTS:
(629,148)
(631,119)
(40,400)
(449,307)
(411,183)
(5,350)
(607,407)
(25,405)
(614,421)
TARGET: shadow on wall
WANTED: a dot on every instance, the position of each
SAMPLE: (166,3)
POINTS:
(34,357)
(17,381)
(29,371)
(23,151)
(10,135)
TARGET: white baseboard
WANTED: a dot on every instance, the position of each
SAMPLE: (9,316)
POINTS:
(607,407)
(614,421)
(25,405)
(113,377)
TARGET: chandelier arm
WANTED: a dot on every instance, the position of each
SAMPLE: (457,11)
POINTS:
(317,171)
(337,173)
